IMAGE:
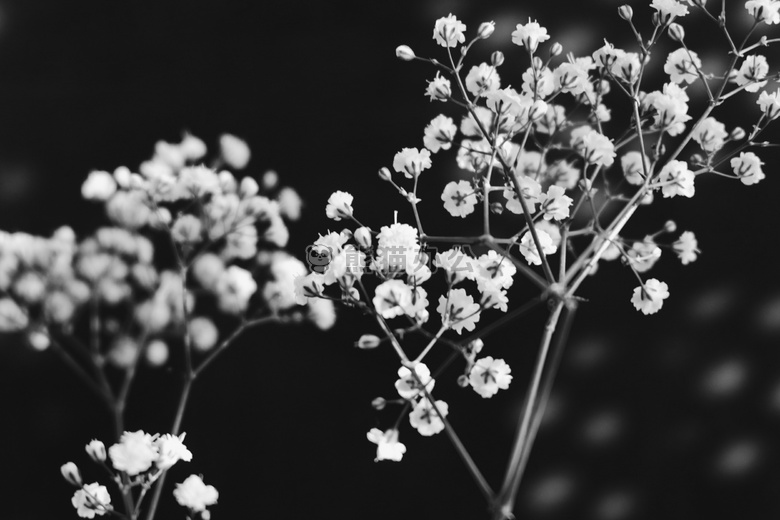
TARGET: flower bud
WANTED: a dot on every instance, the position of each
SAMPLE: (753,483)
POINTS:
(670,226)
(96,450)
(626,12)
(699,3)
(656,19)
(363,237)
(647,199)
(697,158)
(737,134)
(367,341)
(556,49)
(405,53)
(486,30)
(463,381)
(497,58)
(676,32)
(496,208)
(38,339)
(379,403)
(270,180)
(384,174)
(70,472)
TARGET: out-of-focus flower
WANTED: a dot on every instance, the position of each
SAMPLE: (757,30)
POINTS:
(134,453)
(686,247)
(235,152)
(194,494)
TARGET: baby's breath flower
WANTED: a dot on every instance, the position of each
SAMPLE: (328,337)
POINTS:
(388,447)
(482,79)
(752,73)
(134,453)
(339,206)
(532,193)
(157,353)
(528,247)
(404,52)
(489,375)
(70,472)
(96,450)
(187,229)
(633,169)
(171,450)
(570,78)
(203,333)
(98,186)
(748,168)
(411,161)
(650,298)
(92,499)
(440,133)
(767,11)
(555,204)
(459,198)
(448,31)
(596,148)
(458,310)
(235,152)
(234,288)
(407,385)
(194,494)
(668,10)
(439,89)
(529,35)
(676,179)
(486,30)
(682,66)
(769,104)
(425,419)
(686,247)
(710,134)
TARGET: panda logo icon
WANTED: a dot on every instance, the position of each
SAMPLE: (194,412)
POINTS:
(318,257)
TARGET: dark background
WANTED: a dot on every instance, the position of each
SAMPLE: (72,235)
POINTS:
(676,415)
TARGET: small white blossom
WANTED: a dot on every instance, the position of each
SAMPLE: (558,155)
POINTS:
(528,247)
(235,152)
(98,186)
(532,193)
(748,168)
(596,148)
(425,418)
(194,494)
(448,31)
(489,375)
(339,205)
(388,447)
(134,453)
(459,198)
(767,11)
(555,204)
(457,264)
(96,450)
(676,179)
(686,247)
(570,78)
(769,104)
(710,134)
(92,499)
(171,450)
(682,66)
(203,333)
(668,10)
(411,161)
(650,298)
(234,288)
(752,73)
(497,268)
(439,89)
(458,310)
(482,78)
(408,386)
(529,35)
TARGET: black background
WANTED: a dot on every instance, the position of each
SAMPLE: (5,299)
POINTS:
(673,415)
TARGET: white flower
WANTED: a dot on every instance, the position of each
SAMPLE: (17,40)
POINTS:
(532,193)
(96,450)
(322,313)
(439,89)
(458,265)
(308,287)
(290,204)
(459,198)
(767,11)
(769,104)
(650,298)
(676,179)
(407,385)
(686,247)
(134,453)
(683,65)
(448,31)
(235,151)
(748,168)
(669,9)
(234,288)
(555,204)
(391,298)
(339,205)
(279,292)
(671,108)
(388,447)
(528,247)
(70,472)
(425,419)
(99,185)
(92,499)
(710,134)
(458,310)
(187,229)
(633,169)
(529,35)
(439,133)
(482,78)
(203,333)
(606,55)
(626,67)
(497,268)
(171,449)
(570,78)
(411,161)
(596,148)
(564,174)
(207,270)
(538,81)
(489,375)
(643,255)
(194,494)
(753,70)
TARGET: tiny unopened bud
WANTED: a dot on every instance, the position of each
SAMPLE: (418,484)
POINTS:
(70,472)
(367,341)
(656,19)
(404,52)
(737,134)
(697,158)
(38,339)
(556,49)
(497,58)
(670,226)
(585,185)
(626,12)
(496,208)
(604,87)
(699,3)
(463,381)
(676,32)
(647,199)
(379,403)
(96,450)
(270,180)
(363,237)
(485,30)
(384,174)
